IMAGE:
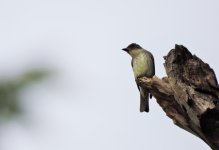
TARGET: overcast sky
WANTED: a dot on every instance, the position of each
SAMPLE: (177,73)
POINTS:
(91,101)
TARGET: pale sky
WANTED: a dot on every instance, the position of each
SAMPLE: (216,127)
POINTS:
(91,101)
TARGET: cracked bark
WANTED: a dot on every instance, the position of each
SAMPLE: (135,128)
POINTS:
(188,95)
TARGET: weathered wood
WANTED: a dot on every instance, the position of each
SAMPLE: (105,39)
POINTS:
(188,95)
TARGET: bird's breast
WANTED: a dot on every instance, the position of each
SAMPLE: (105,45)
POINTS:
(141,66)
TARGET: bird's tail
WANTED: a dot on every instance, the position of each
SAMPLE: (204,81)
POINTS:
(144,101)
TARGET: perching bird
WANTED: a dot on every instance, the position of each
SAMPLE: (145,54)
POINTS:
(142,65)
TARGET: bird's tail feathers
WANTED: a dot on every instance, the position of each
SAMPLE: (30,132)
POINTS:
(144,101)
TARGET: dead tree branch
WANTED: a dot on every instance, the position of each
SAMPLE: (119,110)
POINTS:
(188,95)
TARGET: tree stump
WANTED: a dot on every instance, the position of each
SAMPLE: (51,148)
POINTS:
(188,95)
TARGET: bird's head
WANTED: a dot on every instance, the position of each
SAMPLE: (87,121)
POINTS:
(132,48)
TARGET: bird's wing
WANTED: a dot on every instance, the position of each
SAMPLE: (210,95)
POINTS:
(132,63)
(152,60)
(153,64)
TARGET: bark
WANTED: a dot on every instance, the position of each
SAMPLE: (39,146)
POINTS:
(188,95)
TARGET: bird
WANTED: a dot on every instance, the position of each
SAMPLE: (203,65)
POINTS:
(143,65)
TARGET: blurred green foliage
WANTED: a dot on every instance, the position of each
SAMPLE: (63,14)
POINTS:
(9,90)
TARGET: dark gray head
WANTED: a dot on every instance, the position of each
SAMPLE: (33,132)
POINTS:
(132,46)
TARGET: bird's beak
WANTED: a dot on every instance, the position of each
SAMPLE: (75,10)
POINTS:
(125,49)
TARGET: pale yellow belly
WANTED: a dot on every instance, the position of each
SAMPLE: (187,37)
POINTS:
(140,66)
(143,65)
